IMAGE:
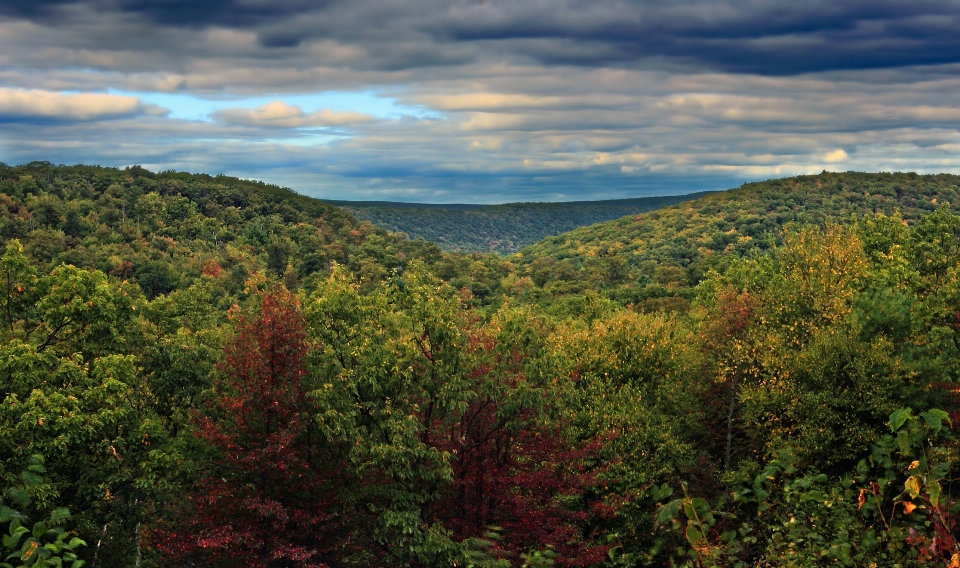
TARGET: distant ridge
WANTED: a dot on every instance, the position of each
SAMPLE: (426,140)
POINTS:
(503,228)
(659,199)
(406,205)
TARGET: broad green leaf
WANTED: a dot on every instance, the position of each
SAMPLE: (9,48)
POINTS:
(39,529)
(898,418)
(933,488)
(904,442)
(31,478)
(669,511)
(694,535)
(59,515)
(935,418)
(661,492)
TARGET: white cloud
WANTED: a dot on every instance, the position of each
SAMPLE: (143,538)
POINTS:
(494,121)
(835,156)
(278,114)
(486,101)
(34,104)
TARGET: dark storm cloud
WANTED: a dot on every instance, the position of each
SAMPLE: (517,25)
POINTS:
(32,9)
(504,99)
(191,13)
(776,38)
(766,37)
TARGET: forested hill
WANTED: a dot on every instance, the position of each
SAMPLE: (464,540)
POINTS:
(498,228)
(653,260)
(205,371)
(164,230)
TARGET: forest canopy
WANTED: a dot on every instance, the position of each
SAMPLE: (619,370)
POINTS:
(206,371)
(504,228)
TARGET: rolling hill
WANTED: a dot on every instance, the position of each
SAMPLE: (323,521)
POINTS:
(180,353)
(498,228)
(654,260)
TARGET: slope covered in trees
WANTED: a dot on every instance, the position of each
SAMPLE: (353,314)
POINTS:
(165,230)
(383,412)
(654,260)
(498,228)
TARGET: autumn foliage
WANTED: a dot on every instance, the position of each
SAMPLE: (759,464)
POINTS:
(514,470)
(266,500)
(699,389)
(280,493)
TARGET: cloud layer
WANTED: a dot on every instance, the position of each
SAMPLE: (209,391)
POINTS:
(545,99)
(278,114)
(25,104)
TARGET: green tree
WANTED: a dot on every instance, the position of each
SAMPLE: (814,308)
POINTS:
(42,544)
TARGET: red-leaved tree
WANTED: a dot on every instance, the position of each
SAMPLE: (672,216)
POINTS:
(268,499)
(515,469)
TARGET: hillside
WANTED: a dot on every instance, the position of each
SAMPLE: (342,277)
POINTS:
(220,373)
(653,260)
(164,231)
(498,228)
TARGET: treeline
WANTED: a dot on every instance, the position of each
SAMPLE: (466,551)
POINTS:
(654,261)
(164,230)
(797,413)
(504,228)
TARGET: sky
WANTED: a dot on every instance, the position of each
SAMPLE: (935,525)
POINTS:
(484,101)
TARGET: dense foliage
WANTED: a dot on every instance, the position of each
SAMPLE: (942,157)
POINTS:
(391,404)
(654,260)
(502,229)
(163,231)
